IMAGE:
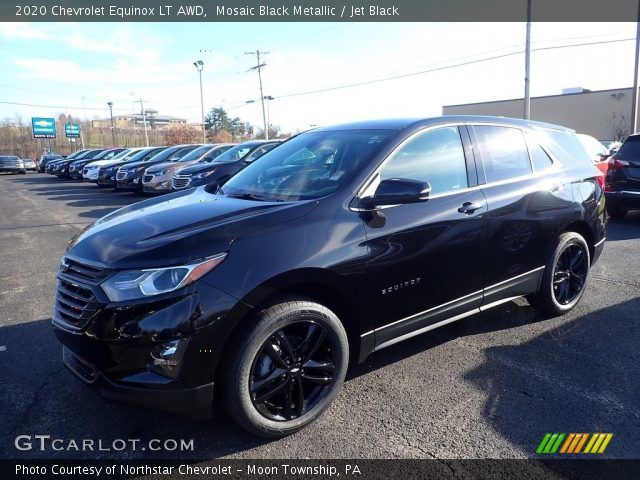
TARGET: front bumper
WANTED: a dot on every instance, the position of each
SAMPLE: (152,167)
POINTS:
(156,183)
(193,402)
(90,175)
(75,174)
(132,183)
(626,199)
(107,179)
(110,346)
(12,169)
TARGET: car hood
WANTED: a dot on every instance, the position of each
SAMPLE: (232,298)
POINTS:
(176,229)
(199,168)
(161,166)
(135,165)
(102,163)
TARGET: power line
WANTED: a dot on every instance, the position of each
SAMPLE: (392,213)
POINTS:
(447,67)
(350,85)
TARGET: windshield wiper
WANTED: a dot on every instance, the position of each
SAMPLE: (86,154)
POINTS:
(247,196)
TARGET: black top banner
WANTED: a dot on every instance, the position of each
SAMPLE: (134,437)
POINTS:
(317,11)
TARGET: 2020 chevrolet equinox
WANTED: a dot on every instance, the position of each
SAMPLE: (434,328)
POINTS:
(340,242)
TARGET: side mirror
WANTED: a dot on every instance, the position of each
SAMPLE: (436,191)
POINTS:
(397,191)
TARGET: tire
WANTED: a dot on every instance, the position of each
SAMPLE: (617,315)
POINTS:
(565,276)
(262,380)
(616,212)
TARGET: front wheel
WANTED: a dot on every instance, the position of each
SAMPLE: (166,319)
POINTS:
(286,368)
(565,276)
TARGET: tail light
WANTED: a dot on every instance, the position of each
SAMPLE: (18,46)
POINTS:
(617,163)
(600,180)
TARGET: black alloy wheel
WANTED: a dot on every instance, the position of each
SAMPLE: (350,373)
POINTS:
(292,371)
(284,367)
(570,273)
(565,275)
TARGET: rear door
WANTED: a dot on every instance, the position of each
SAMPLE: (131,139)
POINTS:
(529,197)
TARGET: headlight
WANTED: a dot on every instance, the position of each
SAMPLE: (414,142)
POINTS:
(133,284)
(204,174)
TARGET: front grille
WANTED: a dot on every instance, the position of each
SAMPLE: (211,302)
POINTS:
(180,181)
(75,305)
(121,175)
(81,271)
(147,178)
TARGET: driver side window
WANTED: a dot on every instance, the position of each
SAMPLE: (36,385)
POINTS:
(435,156)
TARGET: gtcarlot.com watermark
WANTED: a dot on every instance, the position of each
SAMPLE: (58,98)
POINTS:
(47,443)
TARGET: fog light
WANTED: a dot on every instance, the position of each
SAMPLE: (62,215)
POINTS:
(166,358)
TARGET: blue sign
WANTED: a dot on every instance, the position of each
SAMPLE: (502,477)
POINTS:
(72,130)
(43,127)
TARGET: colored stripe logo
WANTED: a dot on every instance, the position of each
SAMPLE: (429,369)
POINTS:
(574,443)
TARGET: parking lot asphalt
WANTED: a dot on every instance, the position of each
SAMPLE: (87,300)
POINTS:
(489,386)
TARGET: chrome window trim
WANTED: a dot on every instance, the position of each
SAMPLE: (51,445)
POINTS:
(556,165)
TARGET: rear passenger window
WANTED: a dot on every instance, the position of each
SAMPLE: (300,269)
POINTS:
(504,152)
(435,156)
(539,157)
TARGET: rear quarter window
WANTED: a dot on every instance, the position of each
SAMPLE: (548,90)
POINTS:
(567,148)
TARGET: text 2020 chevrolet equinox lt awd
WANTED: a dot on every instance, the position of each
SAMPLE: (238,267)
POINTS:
(340,242)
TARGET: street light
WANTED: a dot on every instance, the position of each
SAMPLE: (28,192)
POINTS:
(268,97)
(113,138)
(199,66)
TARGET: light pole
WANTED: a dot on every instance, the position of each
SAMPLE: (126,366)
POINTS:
(269,98)
(113,138)
(199,66)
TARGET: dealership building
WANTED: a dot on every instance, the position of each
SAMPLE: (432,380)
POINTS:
(603,114)
(136,121)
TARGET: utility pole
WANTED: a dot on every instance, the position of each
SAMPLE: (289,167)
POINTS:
(259,68)
(527,69)
(144,123)
(634,95)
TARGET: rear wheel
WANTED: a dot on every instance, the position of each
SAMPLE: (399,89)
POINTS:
(565,276)
(616,212)
(286,368)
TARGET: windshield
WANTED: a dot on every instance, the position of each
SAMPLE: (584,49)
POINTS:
(308,166)
(215,152)
(105,155)
(258,152)
(121,155)
(178,154)
(196,154)
(630,150)
(163,155)
(234,154)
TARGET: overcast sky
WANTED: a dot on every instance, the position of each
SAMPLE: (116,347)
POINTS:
(65,66)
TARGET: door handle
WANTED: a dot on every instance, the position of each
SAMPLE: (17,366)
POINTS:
(469,207)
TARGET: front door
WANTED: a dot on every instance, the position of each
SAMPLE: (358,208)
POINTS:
(426,258)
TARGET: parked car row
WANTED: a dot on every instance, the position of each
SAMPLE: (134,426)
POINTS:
(158,169)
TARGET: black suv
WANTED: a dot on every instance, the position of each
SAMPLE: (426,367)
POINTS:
(339,242)
(622,182)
